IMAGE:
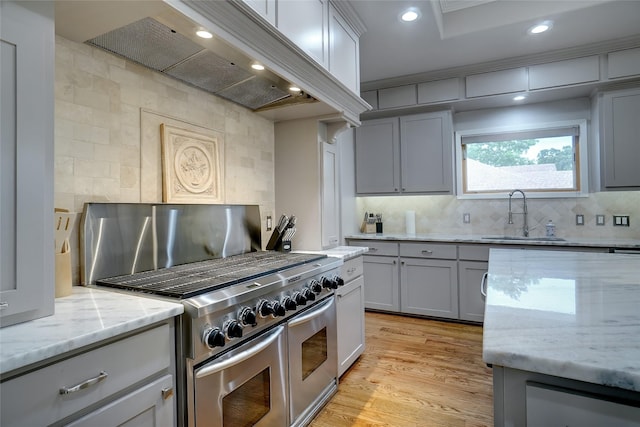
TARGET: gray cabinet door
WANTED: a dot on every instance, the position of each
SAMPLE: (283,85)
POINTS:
(429,287)
(152,405)
(378,157)
(470,274)
(426,151)
(621,139)
(26,161)
(382,288)
(350,319)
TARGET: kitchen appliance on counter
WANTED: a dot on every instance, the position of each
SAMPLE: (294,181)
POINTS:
(257,343)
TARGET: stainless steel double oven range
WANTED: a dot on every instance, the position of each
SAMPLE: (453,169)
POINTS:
(256,344)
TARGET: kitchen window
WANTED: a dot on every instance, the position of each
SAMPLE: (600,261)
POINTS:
(548,161)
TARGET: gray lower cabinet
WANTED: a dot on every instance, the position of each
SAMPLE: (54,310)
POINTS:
(350,314)
(126,382)
(429,287)
(470,281)
(381,276)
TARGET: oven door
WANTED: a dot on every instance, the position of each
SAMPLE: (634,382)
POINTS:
(245,387)
(313,360)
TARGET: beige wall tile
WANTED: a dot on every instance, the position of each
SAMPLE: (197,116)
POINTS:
(100,134)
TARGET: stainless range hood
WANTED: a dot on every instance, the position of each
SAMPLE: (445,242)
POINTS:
(216,68)
(160,34)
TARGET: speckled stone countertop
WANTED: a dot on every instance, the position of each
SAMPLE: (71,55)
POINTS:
(344,252)
(567,314)
(86,317)
(493,239)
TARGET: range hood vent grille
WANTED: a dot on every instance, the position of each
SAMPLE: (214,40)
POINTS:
(157,46)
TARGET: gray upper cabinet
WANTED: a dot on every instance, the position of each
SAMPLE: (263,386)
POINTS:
(620,139)
(410,154)
(426,151)
(26,158)
(378,156)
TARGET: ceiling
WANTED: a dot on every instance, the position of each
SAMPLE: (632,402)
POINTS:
(459,33)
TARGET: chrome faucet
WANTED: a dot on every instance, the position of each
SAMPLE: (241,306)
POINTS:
(525,227)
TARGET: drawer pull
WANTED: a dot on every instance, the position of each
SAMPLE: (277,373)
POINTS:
(427,252)
(351,270)
(373,249)
(84,384)
(167,392)
(4,304)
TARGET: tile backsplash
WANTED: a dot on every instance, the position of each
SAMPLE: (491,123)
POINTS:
(444,214)
(104,153)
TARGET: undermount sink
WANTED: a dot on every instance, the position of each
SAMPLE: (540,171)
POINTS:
(530,239)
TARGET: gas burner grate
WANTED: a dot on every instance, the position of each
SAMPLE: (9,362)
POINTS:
(188,280)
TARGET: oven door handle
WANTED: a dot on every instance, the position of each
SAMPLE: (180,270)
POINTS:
(312,314)
(265,341)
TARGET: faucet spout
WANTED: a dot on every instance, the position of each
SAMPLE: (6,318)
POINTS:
(525,226)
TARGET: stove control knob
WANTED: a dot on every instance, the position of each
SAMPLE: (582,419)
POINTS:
(247,317)
(339,280)
(232,329)
(315,286)
(279,309)
(328,283)
(213,337)
(289,304)
(299,298)
(266,309)
(308,294)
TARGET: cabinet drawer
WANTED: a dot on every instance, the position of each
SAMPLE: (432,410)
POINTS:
(36,399)
(428,250)
(377,248)
(474,253)
(351,269)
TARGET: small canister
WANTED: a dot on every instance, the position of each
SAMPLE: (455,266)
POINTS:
(551,229)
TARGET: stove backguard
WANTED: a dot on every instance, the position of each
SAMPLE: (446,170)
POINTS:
(127,238)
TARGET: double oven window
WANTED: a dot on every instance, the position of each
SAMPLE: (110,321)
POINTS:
(314,352)
(247,404)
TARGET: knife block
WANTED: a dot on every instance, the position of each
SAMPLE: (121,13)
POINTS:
(63,272)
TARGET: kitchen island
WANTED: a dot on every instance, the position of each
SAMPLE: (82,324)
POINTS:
(562,333)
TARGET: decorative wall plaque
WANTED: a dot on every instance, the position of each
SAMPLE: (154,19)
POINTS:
(190,167)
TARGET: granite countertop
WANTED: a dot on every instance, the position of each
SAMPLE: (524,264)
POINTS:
(86,317)
(567,314)
(344,252)
(493,239)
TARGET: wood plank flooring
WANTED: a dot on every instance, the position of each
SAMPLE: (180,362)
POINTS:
(414,372)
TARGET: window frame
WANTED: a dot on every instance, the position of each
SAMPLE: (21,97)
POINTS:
(582,161)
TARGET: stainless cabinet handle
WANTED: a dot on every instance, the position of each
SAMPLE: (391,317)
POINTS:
(84,384)
(4,304)
(427,252)
(351,270)
(483,284)
(373,249)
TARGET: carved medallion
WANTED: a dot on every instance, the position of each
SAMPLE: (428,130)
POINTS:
(191,166)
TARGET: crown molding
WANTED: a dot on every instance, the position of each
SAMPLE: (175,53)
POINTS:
(350,15)
(515,62)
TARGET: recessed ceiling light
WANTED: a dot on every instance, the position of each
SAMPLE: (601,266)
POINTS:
(257,66)
(204,34)
(541,27)
(410,15)
(294,89)
(519,98)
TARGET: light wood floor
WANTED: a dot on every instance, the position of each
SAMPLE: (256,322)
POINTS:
(414,372)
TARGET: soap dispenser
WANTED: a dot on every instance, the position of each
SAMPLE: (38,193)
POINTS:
(551,229)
